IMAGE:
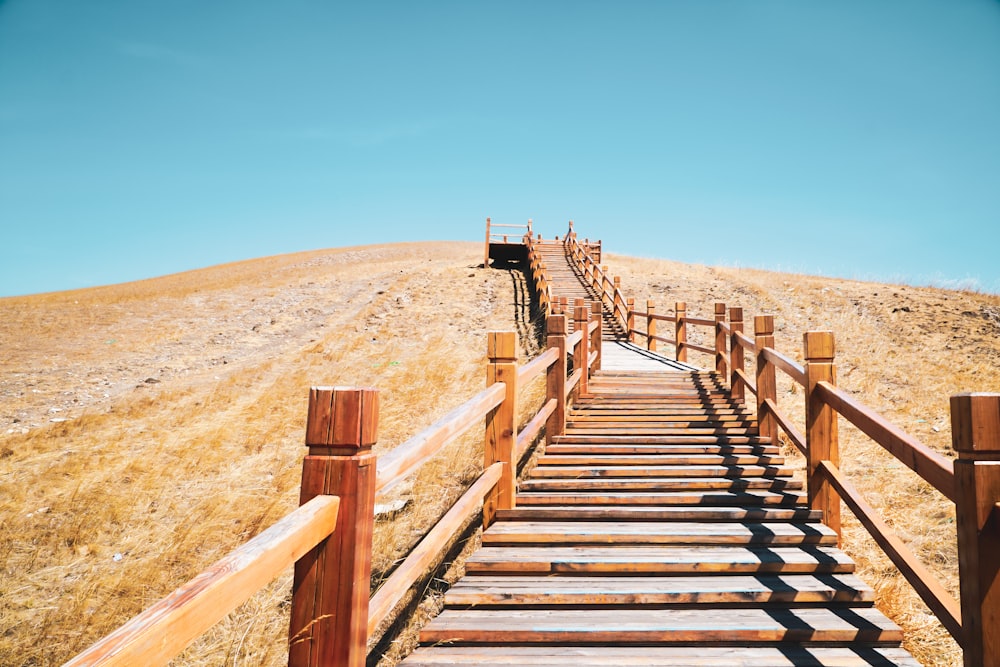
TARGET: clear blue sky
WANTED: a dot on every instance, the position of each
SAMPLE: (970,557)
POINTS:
(855,138)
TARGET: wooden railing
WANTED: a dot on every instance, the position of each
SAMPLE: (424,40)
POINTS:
(493,236)
(329,538)
(972,481)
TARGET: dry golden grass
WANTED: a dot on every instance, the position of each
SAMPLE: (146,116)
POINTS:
(184,402)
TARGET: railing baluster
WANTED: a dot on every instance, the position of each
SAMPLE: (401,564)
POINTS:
(720,340)
(650,326)
(763,331)
(501,428)
(680,331)
(821,426)
(736,354)
(975,434)
(329,618)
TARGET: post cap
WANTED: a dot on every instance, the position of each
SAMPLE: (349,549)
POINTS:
(556,325)
(763,325)
(501,346)
(818,346)
(975,422)
(680,305)
(736,314)
(344,417)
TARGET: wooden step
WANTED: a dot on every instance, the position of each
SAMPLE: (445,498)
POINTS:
(675,498)
(601,449)
(660,559)
(671,439)
(660,484)
(646,532)
(657,513)
(600,459)
(661,626)
(660,656)
(660,471)
(524,591)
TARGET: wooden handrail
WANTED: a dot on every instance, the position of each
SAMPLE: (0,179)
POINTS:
(573,381)
(573,339)
(536,366)
(934,595)
(531,430)
(750,386)
(796,436)
(423,555)
(700,322)
(400,462)
(163,630)
(792,369)
(698,348)
(746,342)
(933,468)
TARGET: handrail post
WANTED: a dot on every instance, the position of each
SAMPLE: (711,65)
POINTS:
(736,354)
(595,339)
(680,331)
(501,428)
(767,388)
(329,618)
(555,381)
(581,318)
(975,435)
(486,262)
(630,319)
(650,326)
(821,426)
(721,360)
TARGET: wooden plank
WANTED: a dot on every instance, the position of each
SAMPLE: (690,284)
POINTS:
(637,471)
(683,497)
(659,459)
(662,484)
(660,656)
(513,590)
(661,559)
(621,626)
(657,513)
(646,532)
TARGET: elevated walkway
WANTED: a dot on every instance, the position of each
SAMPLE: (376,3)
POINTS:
(661,529)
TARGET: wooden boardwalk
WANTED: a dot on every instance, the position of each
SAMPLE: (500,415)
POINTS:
(661,529)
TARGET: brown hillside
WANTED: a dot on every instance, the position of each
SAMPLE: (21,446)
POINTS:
(148,428)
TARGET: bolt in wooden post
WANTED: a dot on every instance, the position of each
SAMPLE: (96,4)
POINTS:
(501,429)
(581,355)
(736,356)
(486,261)
(595,338)
(680,331)
(763,331)
(555,381)
(650,326)
(721,360)
(329,619)
(821,426)
(975,434)
(630,319)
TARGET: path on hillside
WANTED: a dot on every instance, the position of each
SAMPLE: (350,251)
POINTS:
(659,530)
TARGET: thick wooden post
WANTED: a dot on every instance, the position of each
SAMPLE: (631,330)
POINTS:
(501,427)
(736,355)
(650,326)
(975,434)
(596,315)
(486,261)
(555,381)
(821,426)
(329,619)
(763,331)
(581,355)
(721,360)
(680,330)
(630,319)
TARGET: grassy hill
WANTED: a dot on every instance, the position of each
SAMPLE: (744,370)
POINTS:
(148,428)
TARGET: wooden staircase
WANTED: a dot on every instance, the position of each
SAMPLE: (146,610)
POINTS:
(659,530)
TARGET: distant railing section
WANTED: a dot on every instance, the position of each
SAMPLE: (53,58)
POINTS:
(503,236)
(972,481)
(329,538)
